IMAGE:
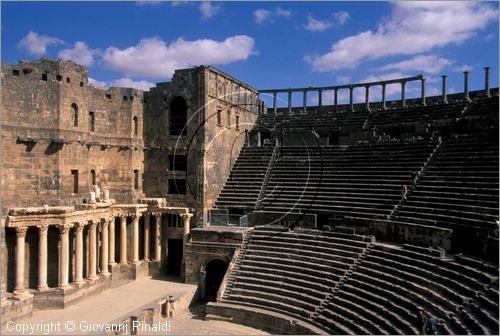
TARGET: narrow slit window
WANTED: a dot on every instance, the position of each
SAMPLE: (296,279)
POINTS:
(74,174)
(92,121)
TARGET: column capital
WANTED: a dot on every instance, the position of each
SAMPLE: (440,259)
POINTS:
(64,229)
(92,224)
(43,229)
(21,231)
(186,215)
(79,226)
(104,224)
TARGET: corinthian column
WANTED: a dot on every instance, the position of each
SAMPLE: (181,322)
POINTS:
(42,257)
(157,236)
(123,240)
(79,254)
(93,251)
(19,290)
(112,260)
(64,256)
(135,239)
(147,218)
(185,238)
(104,248)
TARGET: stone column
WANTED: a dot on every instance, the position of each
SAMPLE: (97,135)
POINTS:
(135,239)
(444,88)
(79,254)
(93,251)
(305,101)
(185,237)
(42,257)
(367,97)
(320,98)
(487,81)
(351,100)
(104,248)
(147,219)
(157,237)
(112,260)
(289,102)
(335,97)
(383,97)
(19,289)
(275,105)
(123,240)
(466,85)
(64,256)
(403,98)
(423,92)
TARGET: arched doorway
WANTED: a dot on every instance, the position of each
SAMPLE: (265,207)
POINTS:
(178,116)
(215,271)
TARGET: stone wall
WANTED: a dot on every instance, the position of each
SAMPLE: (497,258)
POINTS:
(210,147)
(42,143)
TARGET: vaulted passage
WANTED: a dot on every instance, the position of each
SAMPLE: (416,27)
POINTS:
(216,269)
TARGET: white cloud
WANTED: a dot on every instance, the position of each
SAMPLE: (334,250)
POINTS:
(153,58)
(317,25)
(412,27)
(208,10)
(80,54)
(314,25)
(425,63)
(343,79)
(127,82)
(179,3)
(98,83)
(37,44)
(262,15)
(463,67)
(148,3)
(341,17)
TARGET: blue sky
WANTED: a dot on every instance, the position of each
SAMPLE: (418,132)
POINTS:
(266,44)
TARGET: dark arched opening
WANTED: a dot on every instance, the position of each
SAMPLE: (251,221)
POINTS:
(215,271)
(74,115)
(136,126)
(178,116)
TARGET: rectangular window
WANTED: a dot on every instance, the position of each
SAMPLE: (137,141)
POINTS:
(92,121)
(219,118)
(237,122)
(59,78)
(176,187)
(228,119)
(68,80)
(177,162)
(136,179)
(44,77)
(92,177)
(15,72)
(74,174)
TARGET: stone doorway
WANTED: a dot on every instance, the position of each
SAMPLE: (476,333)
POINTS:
(174,259)
(215,271)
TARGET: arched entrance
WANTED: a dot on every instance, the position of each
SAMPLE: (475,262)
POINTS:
(215,271)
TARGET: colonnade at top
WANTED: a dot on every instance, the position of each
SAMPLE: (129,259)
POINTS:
(335,90)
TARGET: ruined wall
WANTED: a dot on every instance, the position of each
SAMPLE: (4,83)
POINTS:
(230,111)
(42,143)
(210,147)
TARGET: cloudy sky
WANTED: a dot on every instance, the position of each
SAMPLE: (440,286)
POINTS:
(266,44)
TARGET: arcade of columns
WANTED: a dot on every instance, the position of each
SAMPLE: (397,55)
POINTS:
(107,253)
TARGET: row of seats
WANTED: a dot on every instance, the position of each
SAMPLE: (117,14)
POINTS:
(289,272)
(459,187)
(348,284)
(365,179)
(243,186)
(417,114)
(389,286)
